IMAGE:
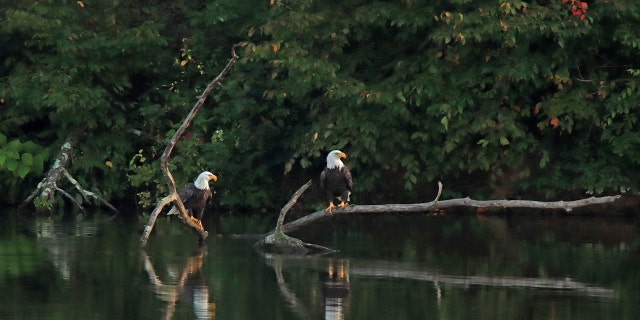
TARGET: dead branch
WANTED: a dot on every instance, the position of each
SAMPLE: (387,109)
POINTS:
(48,186)
(292,201)
(174,196)
(279,242)
(154,215)
(86,194)
(435,205)
(72,199)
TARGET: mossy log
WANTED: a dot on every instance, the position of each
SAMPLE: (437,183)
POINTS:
(43,195)
(279,243)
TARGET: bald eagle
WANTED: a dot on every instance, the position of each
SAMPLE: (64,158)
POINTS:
(335,180)
(196,195)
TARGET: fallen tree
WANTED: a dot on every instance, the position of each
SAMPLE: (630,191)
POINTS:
(436,205)
(43,195)
(174,197)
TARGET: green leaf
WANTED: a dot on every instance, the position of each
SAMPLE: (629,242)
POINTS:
(401,96)
(14,145)
(38,163)
(22,171)
(12,165)
(27,159)
(545,159)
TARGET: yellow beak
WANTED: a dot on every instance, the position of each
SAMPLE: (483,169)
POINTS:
(342,155)
(213,177)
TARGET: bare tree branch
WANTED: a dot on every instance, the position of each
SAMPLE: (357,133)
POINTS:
(72,199)
(436,205)
(278,242)
(174,196)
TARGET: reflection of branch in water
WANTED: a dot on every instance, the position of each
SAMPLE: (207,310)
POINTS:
(399,270)
(392,270)
(335,283)
(167,293)
(189,284)
(55,237)
(436,284)
(294,303)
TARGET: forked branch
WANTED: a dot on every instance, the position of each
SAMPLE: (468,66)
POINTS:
(174,196)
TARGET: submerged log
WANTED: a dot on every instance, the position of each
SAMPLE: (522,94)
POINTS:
(280,243)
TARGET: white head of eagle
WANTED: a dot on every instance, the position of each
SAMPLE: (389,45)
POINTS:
(202,181)
(333,159)
(195,195)
(335,180)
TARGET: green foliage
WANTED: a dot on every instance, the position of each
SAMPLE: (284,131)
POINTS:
(87,68)
(535,100)
(496,99)
(21,158)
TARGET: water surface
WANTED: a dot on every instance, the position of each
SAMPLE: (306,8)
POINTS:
(387,267)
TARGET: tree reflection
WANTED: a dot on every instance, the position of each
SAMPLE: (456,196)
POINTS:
(187,283)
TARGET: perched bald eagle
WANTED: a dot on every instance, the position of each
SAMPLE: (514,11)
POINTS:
(195,196)
(335,180)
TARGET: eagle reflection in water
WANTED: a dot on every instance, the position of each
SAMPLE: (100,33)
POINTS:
(336,288)
(187,284)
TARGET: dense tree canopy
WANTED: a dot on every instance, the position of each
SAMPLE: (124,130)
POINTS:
(497,98)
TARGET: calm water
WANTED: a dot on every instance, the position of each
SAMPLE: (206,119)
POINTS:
(388,267)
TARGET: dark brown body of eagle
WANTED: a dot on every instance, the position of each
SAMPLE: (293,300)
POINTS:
(195,200)
(335,180)
(195,196)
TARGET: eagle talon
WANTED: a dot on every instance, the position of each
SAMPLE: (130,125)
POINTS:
(342,205)
(198,222)
(330,208)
